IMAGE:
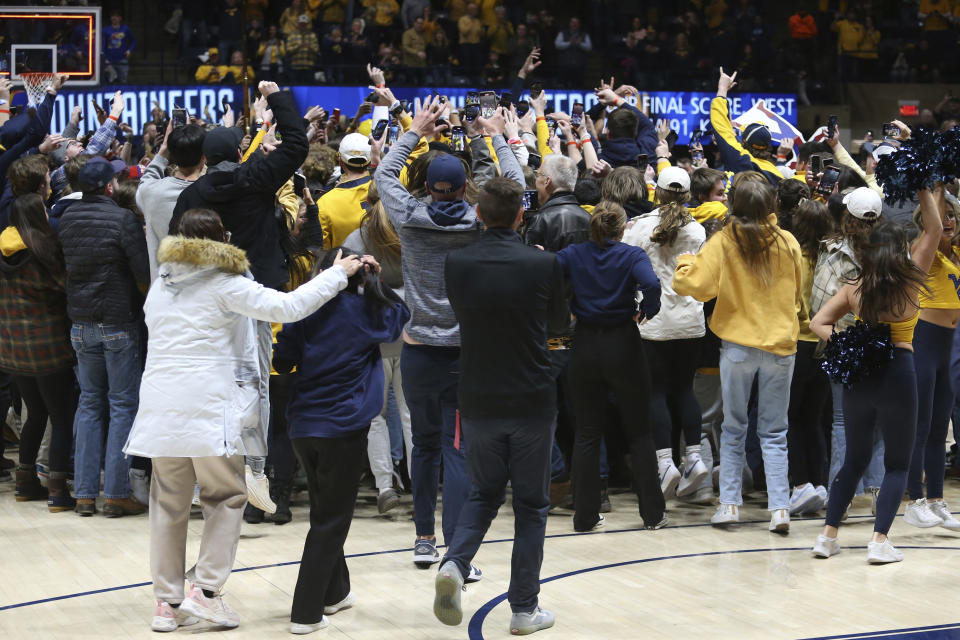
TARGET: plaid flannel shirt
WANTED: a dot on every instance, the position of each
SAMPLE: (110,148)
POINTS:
(836,265)
(98,144)
(302,49)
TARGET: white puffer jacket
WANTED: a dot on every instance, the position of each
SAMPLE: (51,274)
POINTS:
(204,388)
(680,317)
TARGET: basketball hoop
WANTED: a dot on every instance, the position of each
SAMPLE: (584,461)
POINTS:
(36,85)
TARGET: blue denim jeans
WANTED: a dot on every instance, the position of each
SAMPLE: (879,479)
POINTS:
(430,379)
(108,370)
(739,365)
(873,476)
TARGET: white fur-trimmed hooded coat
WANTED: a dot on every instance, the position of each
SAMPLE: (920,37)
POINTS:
(204,388)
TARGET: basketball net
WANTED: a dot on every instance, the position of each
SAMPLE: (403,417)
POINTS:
(36,85)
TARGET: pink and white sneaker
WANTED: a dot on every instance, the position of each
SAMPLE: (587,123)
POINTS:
(166,618)
(210,609)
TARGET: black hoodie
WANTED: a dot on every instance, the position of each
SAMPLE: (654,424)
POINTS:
(245,195)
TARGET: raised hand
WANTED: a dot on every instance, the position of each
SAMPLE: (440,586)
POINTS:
(663,129)
(116,107)
(50,142)
(531,63)
(495,124)
(726,83)
(267,88)
(425,122)
(351,264)
(229,118)
(376,75)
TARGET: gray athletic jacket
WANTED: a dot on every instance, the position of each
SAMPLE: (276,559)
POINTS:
(428,232)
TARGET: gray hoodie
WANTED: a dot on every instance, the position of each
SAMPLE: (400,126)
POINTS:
(428,232)
(157,196)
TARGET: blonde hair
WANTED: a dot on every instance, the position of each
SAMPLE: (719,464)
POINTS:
(673,216)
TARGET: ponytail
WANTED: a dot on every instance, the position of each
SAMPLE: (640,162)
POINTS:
(377,295)
(607,222)
(673,216)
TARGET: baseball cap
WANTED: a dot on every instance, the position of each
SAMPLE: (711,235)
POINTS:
(883,149)
(213,51)
(863,203)
(757,136)
(674,179)
(445,174)
(222,144)
(98,172)
(355,149)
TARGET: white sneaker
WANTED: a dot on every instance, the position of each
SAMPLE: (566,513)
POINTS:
(447,587)
(726,514)
(300,629)
(918,514)
(210,609)
(805,499)
(669,479)
(942,511)
(346,603)
(258,491)
(826,547)
(166,618)
(691,478)
(780,521)
(882,553)
(522,624)
(702,496)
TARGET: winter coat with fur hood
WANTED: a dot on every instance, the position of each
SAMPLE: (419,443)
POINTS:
(204,391)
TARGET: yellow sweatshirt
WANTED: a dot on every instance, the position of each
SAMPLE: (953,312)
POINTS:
(806,290)
(747,312)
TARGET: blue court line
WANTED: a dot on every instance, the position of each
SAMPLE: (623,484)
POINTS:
(938,632)
(475,627)
(366,554)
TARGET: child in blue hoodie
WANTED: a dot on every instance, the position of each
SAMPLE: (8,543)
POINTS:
(338,390)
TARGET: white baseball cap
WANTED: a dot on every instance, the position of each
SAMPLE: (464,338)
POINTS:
(355,149)
(674,179)
(863,203)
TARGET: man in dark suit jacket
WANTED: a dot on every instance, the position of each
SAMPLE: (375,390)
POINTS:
(507,297)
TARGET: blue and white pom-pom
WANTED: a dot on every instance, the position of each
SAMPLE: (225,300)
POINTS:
(856,352)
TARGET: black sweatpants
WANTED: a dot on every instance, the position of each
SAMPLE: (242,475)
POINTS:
(887,400)
(612,359)
(51,396)
(806,440)
(281,456)
(672,364)
(932,346)
(333,467)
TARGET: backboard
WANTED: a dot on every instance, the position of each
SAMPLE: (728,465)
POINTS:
(51,39)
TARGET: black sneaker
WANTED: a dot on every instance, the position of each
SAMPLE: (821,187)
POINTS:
(252,515)
(280,494)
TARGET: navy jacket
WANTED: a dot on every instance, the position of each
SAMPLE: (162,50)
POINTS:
(338,386)
(621,152)
(605,282)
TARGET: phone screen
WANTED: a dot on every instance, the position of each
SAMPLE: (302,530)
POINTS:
(394,133)
(531,201)
(552,125)
(379,129)
(336,116)
(831,125)
(696,137)
(471,112)
(672,138)
(816,165)
(697,155)
(506,99)
(488,104)
(642,162)
(891,130)
(536,89)
(828,180)
(179,118)
(458,138)
(299,182)
(472,98)
(533,161)
(576,116)
(522,108)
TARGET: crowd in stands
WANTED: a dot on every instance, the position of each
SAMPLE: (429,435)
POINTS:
(223,299)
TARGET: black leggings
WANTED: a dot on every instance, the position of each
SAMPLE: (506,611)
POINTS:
(608,359)
(806,441)
(932,346)
(55,396)
(887,400)
(672,364)
(281,456)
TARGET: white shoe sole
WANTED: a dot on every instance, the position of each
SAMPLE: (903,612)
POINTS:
(811,504)
(882,559)
(823,552)
(672,480)
(446,602)
(388,503)
(913,522)
(425,561)
(299,629)
(346,603)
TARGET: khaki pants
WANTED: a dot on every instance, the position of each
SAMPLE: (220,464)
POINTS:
(223,495)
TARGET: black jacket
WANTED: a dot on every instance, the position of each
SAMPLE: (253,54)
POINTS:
(245,195)
(507,297)
(106,255)
(560,222)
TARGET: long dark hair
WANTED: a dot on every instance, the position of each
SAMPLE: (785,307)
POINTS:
(889,279)
(789,195)
(376,294)
(753,234)
(28,215)
(811,224)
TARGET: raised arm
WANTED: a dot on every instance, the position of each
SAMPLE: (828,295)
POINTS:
(925,246)
(509,166)
(272,172)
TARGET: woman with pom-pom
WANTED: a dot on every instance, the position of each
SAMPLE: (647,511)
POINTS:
(933,341)
(885,292)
